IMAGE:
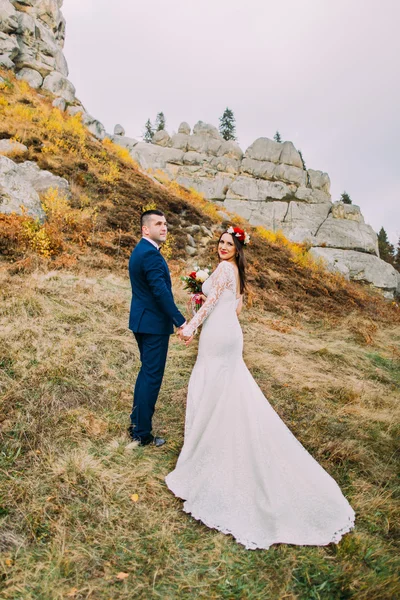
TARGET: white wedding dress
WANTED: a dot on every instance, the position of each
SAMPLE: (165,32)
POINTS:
(241,470)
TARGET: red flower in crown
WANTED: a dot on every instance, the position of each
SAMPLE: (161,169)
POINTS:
(241,235)
(193,275)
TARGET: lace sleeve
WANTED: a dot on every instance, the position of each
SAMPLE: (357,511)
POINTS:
(222,278)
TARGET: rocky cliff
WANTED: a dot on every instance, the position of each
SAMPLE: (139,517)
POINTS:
(267,185)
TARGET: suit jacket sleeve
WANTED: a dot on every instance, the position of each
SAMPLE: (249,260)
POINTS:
(154,272)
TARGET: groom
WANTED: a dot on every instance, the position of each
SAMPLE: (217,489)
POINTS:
(152,316)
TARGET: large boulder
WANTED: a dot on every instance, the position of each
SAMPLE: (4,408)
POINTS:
(202,128)
(213,188)
(290,156)
(303,220)
(312,196)
(345,233)
(119,130)
(230,149)
(60,86)
(351,212)
(9,16)
(31,76)
(10,147)
(94,126)
(162,138)
(264,149)
(360,267)
(258,190)
(180,141)
(8,45)
(184,128)
(150,156)
(125,142)
(42,180)
(319,180)
(17,194)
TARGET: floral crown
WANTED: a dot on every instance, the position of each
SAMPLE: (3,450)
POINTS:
(241,235)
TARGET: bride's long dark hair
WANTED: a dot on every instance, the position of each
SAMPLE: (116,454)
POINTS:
(240,260)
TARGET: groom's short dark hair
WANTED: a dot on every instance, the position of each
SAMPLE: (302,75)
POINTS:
(144,218)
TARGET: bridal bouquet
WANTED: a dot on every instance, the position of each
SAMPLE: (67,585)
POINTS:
(193,283)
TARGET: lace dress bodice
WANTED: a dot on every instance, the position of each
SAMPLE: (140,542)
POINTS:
(220,289)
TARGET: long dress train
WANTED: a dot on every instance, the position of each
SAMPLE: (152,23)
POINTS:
(241,470)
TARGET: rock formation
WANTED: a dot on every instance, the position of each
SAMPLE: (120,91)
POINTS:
(267,185)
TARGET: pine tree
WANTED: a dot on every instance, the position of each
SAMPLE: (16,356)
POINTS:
(160,121)
(345,198)
(277,137)
(386,249)
(396,262)
(227,127)
(148,132)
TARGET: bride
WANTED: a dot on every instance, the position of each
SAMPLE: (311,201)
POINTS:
(241,470)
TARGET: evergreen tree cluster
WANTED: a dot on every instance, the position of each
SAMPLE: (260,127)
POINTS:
(150,129)
(387,251)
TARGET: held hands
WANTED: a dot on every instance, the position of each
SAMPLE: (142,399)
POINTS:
(184,338)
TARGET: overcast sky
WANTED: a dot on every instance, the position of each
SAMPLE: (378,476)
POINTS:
(325,73)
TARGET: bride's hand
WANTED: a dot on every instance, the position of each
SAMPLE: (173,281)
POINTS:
(188,340)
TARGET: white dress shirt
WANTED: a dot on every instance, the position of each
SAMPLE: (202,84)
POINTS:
(151,242)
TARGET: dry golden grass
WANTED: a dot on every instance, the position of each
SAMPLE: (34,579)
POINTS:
(85,516)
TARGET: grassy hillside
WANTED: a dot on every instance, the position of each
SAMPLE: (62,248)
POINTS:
(83,515)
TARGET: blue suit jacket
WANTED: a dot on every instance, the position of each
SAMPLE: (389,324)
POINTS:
(153,309)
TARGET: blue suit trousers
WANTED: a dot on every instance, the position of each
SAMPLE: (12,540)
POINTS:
(153,350)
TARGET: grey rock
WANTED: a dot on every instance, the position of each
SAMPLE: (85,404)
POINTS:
(74,110)
(6,62)
(290,156)
(230,149)
(9,17)
(359,266)
(203,144)
(319,180)
(193,228)
(94,126)
(347,211)
(194,158)
(119,130)
(150,156)
(206,129)
(191,240)
(304,219)
(17,193)
(226,164)
(125,142)
(161,138)
(42,180)
(32,77)
(213,188)
(343,233)
(11,147)
(8,45)
(59,103)
(290,174)
(190,250)
(60,86)
(207,232)
(259,190)
(312,196)
(258,168)
(264,149)
(180,141)
(184,128)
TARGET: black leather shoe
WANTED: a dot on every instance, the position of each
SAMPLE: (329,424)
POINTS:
(151,439)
